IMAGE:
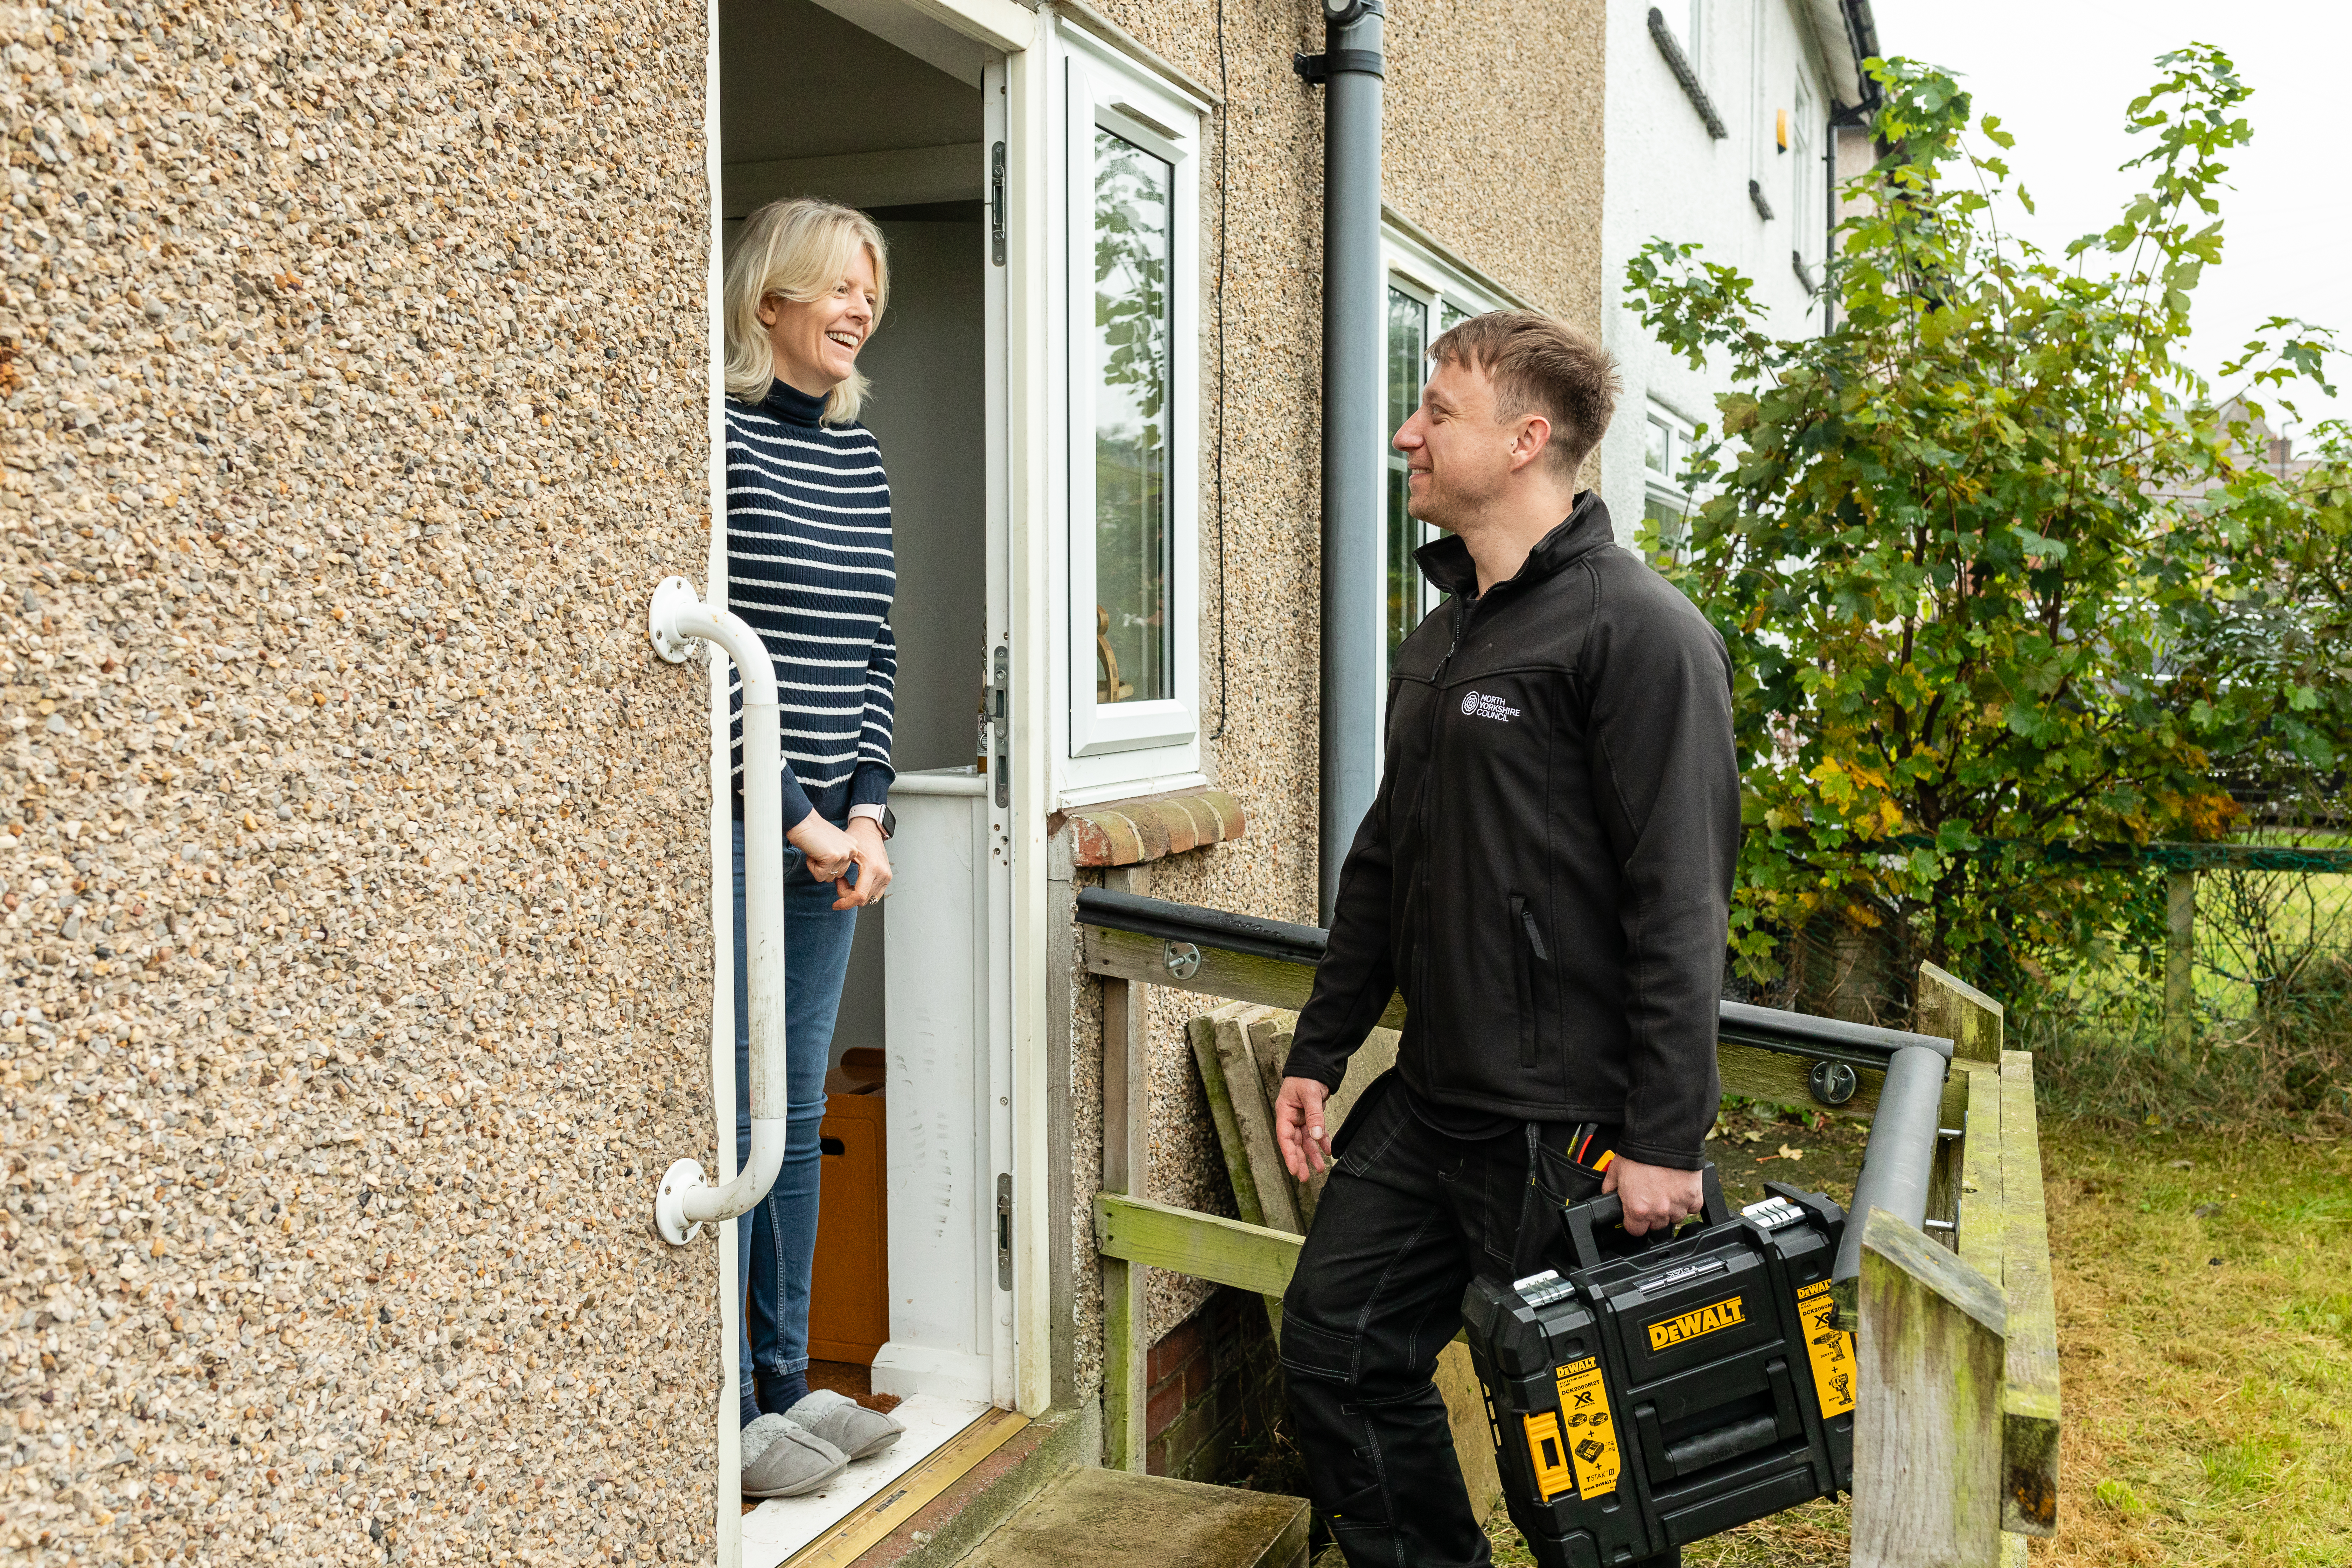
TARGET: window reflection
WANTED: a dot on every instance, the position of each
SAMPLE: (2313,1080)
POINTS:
(1408,340)
(1133,199)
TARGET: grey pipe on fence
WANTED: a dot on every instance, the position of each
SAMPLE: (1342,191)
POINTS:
(1901,1154)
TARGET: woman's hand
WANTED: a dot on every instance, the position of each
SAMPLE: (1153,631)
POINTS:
(829,849)
(873,866)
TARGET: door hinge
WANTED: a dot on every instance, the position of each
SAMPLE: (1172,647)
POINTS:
(1000,697)
(1004,1231)
(996,203)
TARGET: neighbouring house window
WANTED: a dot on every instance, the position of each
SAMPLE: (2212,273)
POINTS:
(1806,213)
(1667,497)
(1683,20)
(1427,294)
(1759,116)
(1130,210)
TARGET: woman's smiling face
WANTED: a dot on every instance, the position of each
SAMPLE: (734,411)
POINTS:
(816,343)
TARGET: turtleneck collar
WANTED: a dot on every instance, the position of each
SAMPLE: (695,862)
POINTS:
(793,405)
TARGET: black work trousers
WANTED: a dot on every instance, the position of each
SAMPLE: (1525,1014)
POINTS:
(1407,1219)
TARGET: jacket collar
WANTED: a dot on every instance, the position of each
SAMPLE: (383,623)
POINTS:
(1446,561)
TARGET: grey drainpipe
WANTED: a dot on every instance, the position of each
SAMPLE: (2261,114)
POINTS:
(1354,652)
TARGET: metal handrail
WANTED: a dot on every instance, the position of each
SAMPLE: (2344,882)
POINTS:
(1896,1163)
(687,1197)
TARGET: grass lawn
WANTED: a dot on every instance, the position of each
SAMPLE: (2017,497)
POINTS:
(2205,1336)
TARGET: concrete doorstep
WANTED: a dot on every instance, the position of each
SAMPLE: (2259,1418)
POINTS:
(1108,1518)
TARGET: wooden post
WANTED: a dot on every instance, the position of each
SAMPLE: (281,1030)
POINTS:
(2179,958)
(1127,1150)
(2030,1408)
(1950,1007)
(1927,1436)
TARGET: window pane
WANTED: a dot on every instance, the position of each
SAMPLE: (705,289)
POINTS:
(1408,338)
(1133,644)
(1656,449)
(1450,315)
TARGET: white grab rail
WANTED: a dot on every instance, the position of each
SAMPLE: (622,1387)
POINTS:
(687,1198)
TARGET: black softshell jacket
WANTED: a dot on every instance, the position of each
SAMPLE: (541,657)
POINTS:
(1546,871)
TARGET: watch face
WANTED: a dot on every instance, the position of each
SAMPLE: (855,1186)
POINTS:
(889,823)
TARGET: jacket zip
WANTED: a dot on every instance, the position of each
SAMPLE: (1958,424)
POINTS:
(1421,807)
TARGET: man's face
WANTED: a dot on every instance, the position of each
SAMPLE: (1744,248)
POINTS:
(1457,454)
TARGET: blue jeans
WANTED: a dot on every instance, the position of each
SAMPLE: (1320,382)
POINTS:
(775,1243)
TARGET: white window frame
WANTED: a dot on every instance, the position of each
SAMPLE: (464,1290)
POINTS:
(1145,740)
(1690,33)
(1805,197)
(1415,265)
(1667,488)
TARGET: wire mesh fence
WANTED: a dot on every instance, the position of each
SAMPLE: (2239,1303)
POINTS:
(2231,1002)
(2273,944)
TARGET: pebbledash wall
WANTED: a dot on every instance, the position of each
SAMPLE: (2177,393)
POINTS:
(356,931)
(356,888)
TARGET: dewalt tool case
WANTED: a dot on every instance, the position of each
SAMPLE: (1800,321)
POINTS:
(1646,1399)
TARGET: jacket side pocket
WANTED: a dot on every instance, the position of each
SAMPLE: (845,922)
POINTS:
(1526,952)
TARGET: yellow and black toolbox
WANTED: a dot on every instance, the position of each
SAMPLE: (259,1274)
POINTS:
(1642,1401)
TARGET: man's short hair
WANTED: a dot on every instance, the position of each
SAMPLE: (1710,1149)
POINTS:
(1540,365)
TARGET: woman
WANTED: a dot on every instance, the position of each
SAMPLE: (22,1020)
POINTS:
(809,565)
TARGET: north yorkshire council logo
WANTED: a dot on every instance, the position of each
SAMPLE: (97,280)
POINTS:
(1485,705)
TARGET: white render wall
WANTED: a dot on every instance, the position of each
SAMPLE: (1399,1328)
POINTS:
(1666,177)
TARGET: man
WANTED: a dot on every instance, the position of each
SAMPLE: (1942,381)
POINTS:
(1546,874)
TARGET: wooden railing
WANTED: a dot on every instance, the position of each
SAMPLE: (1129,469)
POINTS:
(1957,1419)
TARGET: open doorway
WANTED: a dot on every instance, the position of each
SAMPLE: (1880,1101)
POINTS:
(871,103)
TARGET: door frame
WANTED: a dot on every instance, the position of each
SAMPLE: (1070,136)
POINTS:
(1019,486)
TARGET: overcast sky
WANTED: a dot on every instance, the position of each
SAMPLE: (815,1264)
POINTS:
(2060,74)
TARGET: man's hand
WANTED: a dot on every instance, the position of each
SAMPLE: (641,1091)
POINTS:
(1656,1197)
(1298,1126)
(873,860)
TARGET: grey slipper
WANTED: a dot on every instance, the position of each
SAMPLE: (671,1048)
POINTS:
(846,1424)
(782,1459)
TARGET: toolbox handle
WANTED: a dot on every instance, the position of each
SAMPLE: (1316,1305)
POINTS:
(1586,1221)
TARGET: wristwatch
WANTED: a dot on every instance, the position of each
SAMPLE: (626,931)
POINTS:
(889,825)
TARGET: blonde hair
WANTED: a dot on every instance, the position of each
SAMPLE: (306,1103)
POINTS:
(798,250)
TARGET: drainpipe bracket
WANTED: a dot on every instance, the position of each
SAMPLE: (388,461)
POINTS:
(669,1205)
(1315,69)
(673,598)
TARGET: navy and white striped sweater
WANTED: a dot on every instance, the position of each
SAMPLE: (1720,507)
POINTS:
(809,565)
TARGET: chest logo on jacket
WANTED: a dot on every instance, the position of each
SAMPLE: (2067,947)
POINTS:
(1484,705)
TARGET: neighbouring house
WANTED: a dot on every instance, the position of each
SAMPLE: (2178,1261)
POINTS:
(361,932)
(1731,124)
